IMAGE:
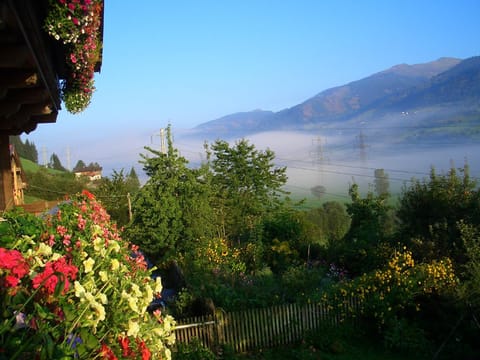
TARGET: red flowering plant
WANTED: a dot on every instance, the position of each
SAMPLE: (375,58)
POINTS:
(71,287)
(77,24)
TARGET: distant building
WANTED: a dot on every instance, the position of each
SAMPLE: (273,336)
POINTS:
(92,175)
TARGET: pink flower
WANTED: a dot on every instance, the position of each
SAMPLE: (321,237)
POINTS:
(81,222)
(73,59)
(66,239)
(61,230)
(75,21)
(51,240)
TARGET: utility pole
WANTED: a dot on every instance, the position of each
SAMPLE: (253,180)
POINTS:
(163,146)
(318,155)
(68,159)
(362,146)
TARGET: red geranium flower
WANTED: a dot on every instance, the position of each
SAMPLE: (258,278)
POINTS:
(49,279)
(88,194)
(144,351)
(125,345)
(107,353)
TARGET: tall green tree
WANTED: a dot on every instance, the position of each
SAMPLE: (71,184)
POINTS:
(79,166)
(172,208)
(248,185)
(133,183)
(366,244)
(25,150)
(55,163)
(332,221)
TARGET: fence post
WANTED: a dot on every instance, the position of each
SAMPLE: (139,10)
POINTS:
(220,323)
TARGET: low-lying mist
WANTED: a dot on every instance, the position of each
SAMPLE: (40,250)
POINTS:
(335,159)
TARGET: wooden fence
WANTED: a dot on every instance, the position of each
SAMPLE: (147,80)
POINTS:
(257,328)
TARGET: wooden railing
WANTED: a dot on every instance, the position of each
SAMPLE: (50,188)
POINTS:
(257,328)
(40,207)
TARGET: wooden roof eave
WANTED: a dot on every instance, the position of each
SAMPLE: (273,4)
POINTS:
(27,17)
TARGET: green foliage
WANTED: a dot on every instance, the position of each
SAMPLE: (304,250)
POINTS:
(79,166)
(194,350)
(55,163)
(287,233)
(25,150)
(300,283)
(397,290)
(48,186)
(114,194)
(331,338)
(331,220)
(172,208)
(365,245)
(430,210)
(247,185)
(74,280)
(18,223)
(132,180)
(469,291)
(406,337)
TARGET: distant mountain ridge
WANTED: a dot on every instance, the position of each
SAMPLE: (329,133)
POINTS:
(448,87)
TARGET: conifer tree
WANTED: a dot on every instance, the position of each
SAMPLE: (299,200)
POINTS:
(55,163)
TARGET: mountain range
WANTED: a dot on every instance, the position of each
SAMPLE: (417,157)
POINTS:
(427,101)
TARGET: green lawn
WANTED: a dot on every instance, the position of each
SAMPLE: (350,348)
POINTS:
(30,166)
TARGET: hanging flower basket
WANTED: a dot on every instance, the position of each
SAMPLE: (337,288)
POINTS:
(77,25)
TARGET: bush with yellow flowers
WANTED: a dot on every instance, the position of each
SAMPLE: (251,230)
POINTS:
(387,292)
(72,288)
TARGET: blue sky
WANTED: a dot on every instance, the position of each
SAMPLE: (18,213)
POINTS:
(188,62)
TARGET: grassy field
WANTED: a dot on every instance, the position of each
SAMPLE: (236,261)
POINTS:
(30,166)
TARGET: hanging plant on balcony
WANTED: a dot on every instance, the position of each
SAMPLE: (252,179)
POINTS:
(77,24)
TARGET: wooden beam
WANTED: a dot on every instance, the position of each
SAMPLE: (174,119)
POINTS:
(26,118)
(47,118)
(28,96)
(8,108)
(14,56)
(29,23)
(37,109)
(18,79)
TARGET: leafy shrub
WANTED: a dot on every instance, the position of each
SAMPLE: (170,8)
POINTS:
(385,293)
(330,338)
(194,350)
(406,337)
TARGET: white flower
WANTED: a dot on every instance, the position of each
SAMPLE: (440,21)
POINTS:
(103,276)
(158,285)
(88,264)
(115,264)
(133,328)
(79,290)
(44,249)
